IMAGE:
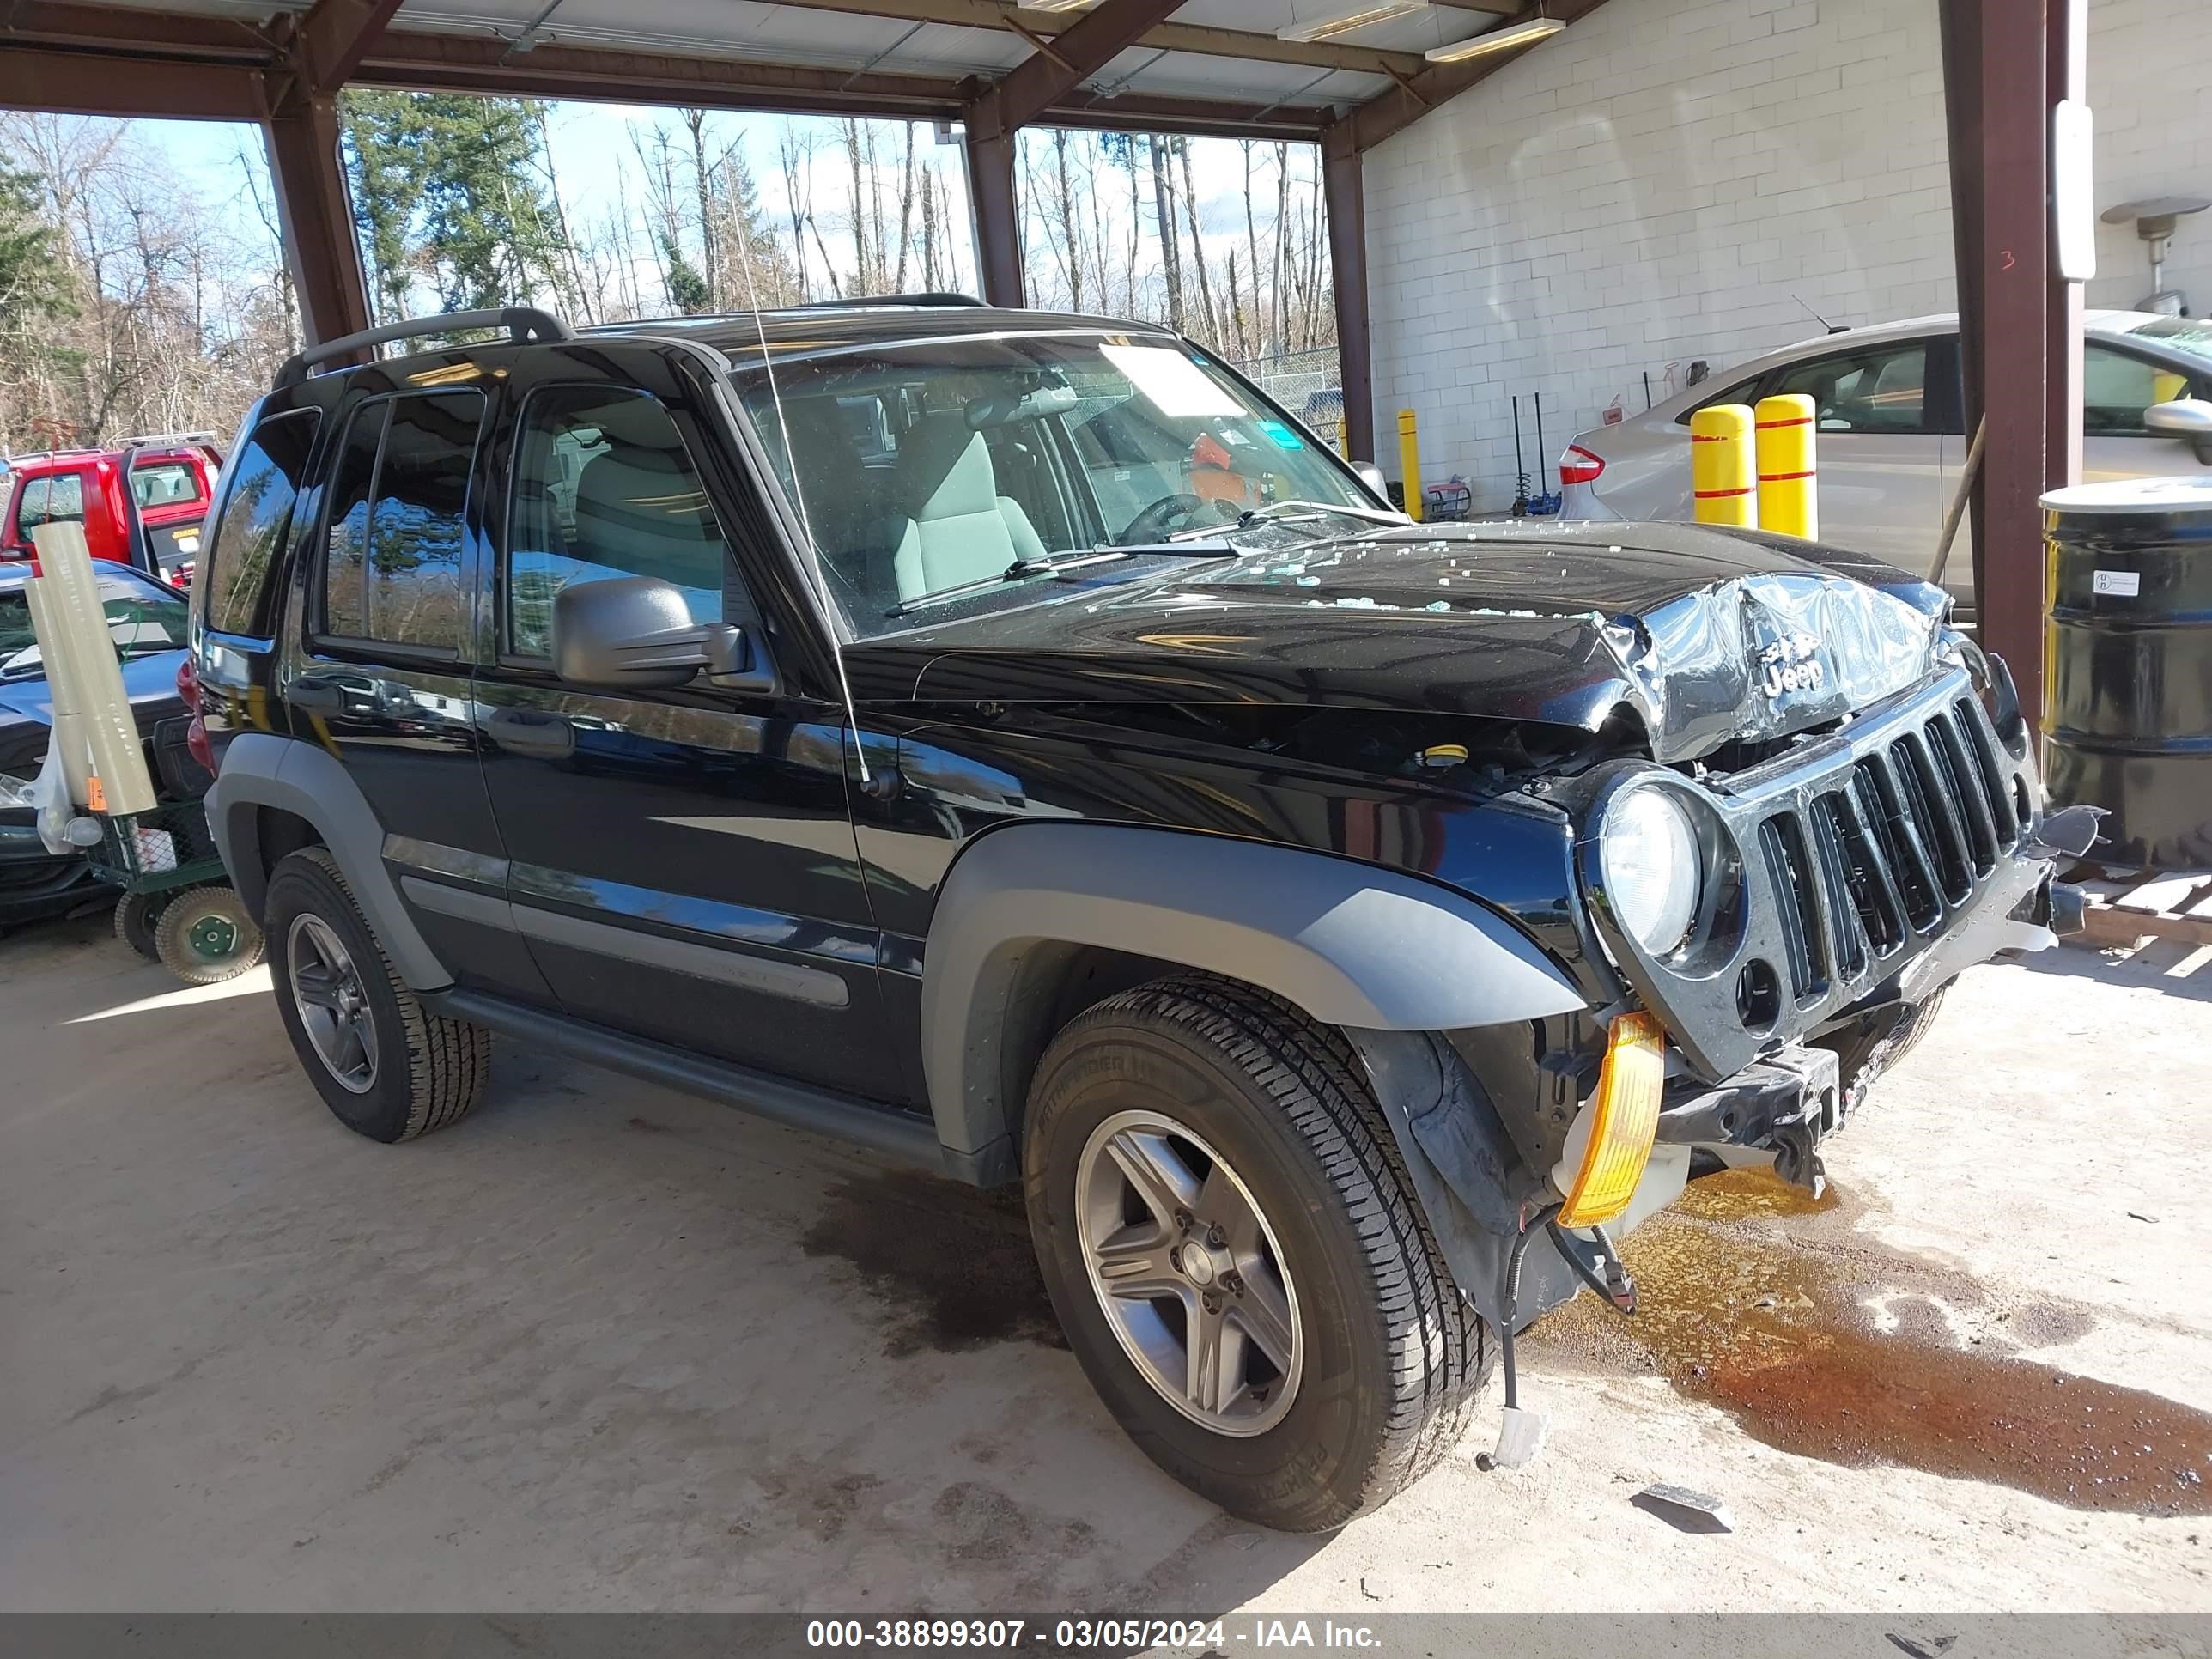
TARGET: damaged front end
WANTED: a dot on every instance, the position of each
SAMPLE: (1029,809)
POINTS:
(1846,881)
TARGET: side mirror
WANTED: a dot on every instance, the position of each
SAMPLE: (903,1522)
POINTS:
(1371,476)
(2189,419)
(634,632)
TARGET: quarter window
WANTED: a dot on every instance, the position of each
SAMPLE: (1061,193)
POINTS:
(602,487)
(265,477)
(399,513)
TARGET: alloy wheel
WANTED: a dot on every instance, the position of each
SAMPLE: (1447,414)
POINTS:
(1188,1273)
(332,1006)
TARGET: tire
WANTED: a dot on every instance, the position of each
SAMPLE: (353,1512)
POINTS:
(1387,1359)
(423,1071)
(136,916)
(1865,1055)
(205,936)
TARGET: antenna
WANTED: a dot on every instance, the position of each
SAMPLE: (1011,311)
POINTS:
(805,519)
(1833,328)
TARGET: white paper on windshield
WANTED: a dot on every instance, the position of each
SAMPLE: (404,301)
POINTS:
(1174,385)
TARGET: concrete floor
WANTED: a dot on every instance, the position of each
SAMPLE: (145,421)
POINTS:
(606,1347)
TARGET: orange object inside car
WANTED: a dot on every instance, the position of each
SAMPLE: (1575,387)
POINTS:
(1214,477)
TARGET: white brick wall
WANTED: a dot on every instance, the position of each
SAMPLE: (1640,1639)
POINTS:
(1667,179)
(2150,62)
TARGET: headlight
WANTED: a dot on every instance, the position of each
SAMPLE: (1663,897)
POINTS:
(1654,874)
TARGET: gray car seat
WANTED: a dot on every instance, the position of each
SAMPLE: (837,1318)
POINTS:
(959,528)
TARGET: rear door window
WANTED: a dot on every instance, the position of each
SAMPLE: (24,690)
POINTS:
(398,521)
(265,478)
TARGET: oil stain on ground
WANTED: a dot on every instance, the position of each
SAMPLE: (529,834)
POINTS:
(1824,1349)
(953,1266)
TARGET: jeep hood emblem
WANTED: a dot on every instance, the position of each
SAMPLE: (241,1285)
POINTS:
(1791,663)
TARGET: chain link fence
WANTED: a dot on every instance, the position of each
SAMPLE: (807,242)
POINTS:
(1307,383)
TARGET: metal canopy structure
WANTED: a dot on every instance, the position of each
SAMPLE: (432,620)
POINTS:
(1203,67)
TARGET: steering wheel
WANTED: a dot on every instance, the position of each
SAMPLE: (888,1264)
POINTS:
(1157,522)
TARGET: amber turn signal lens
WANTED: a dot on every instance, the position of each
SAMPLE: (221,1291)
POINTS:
(1623,1121)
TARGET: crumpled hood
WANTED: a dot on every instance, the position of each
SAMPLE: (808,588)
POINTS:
(1708,635)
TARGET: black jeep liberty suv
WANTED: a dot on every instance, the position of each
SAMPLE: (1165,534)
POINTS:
(1012,741)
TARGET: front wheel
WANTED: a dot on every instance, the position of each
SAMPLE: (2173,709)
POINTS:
(1233,1247)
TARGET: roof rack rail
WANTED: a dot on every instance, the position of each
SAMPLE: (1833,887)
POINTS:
(931,299)
(522,324)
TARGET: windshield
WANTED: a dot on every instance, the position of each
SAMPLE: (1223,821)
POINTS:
(141,620)
(939,468)
(2191,334)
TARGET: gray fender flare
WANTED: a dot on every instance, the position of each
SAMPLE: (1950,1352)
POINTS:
(1353,944)
(260,770)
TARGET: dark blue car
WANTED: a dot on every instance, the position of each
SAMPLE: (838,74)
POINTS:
(148,622)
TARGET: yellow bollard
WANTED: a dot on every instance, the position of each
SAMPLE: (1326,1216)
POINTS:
(1789,476)
(1724,480)
(1409,462)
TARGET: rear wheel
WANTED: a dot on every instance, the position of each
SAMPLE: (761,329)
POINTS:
(1235,1251)
(385,1065)
(203,936)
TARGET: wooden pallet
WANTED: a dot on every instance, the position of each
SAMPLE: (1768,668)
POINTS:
(2161,921)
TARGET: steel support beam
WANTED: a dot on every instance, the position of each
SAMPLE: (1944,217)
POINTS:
(1087,45)
(1998,89)
(477,64)
(332,38)
(998,218)
(88,84)
(1393,112)
(1202,40)
(1344,186)
(140,76)
(317,218)
(321,55)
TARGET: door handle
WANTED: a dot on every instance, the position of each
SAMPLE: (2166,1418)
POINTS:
(313,696)
(530,732)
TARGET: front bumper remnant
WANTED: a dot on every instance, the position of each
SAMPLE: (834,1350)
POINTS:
(1784,1103)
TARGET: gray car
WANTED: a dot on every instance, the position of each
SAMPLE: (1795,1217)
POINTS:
(1893,440)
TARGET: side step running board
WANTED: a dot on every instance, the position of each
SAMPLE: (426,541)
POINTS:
(905,1136)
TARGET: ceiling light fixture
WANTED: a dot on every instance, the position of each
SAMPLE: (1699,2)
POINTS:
(1054,5)
(1344,22)
(1517,34)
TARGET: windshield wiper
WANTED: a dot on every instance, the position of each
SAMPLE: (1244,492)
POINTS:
(1021,570)
(1372,514)
(1201,544)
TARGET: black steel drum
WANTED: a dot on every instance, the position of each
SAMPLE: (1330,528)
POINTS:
(2128,665)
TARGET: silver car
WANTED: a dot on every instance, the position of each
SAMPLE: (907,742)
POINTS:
(1892,439)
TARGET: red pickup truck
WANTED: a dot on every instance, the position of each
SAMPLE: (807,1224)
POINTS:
(157,528)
